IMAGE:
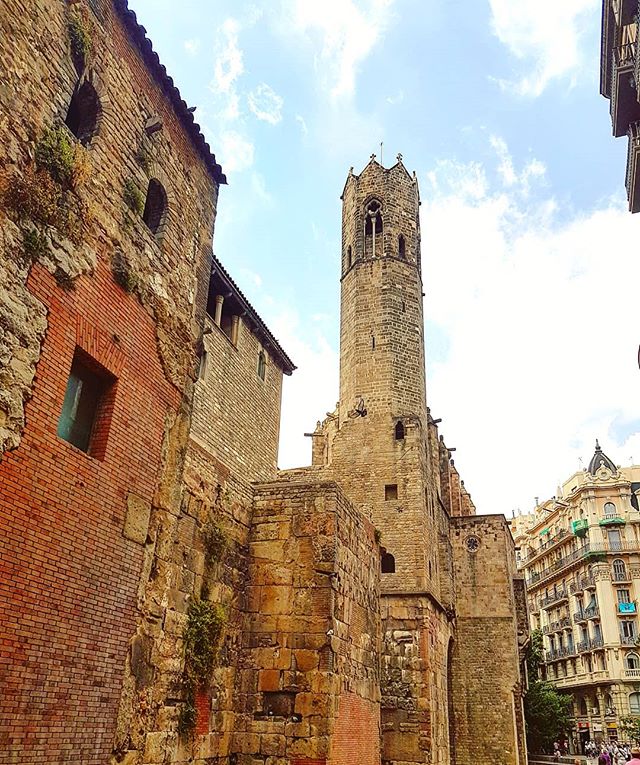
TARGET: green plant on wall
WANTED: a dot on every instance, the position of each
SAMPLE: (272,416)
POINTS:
(44,196)
(81,38)
(214,541)
(55,153)
(202,636)
(143,158)
(123,273)
(133,197)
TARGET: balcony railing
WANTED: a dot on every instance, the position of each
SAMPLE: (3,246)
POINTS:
(551,542)
(587,582)
(554,597)
(583,646)
(591,550)
(591,612)
(628,639)
(621,576)
(565,621)
(632,672)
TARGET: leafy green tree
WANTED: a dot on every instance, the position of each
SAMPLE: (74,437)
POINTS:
(547,715)
(534,655)
(631,726)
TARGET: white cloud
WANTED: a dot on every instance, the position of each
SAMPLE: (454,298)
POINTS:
(259,188)
(235,151)
(310,392)
(342,33)
(266,104)
(228,58)
(303,125)
(541,347)
(192,47)
(546,36)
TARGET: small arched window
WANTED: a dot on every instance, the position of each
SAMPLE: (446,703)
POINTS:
(155,206)
(373,229)
(634,703)
(262,365)
(388,564)
(619,570)
(84,111)
(632,661)
(401,247)
(399,430)
(609,509)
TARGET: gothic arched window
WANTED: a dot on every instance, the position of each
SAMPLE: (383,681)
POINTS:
(619,570)
(83,113)
(373,229)
(155,205)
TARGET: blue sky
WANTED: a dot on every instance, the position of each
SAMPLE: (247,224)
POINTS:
(528,252)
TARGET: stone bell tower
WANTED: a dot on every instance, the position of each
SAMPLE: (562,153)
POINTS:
(378,451)
(381,322)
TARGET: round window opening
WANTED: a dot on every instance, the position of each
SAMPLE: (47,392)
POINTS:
(472,544)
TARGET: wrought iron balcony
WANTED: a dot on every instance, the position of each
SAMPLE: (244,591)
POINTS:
(621,576)
(633,170)
(587,582)
(624,106)
(628,639)
(583,646)
(565,621)
(555,597)
(596,642)
(545,546)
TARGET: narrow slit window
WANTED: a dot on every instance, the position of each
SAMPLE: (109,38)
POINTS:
(391,491)
(399,431)
(155,206)
(84,111)
(262,365)
(401,247)
(388,564)
(349,257)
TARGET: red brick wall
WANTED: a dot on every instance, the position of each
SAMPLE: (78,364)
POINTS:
(356,737)
(68,577)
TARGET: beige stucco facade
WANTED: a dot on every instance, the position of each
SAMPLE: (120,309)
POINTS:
(580,553)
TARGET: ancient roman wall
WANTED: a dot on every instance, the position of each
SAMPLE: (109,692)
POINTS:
(414,709)
(308,683)
(80,531)
(485,666)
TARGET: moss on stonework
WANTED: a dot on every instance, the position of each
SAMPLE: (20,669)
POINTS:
(133,197)
(123,273)
(56,153)
(143,158)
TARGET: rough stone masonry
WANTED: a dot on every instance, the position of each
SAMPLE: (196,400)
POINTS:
(346,612)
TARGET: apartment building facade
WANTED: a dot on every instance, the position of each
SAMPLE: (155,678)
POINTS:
(580,553)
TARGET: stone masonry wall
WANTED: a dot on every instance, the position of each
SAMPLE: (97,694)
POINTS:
(236,414)
(487,686)
(415,726)
(310,656)
(86,539)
